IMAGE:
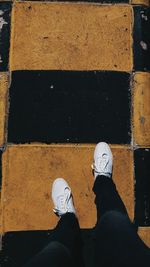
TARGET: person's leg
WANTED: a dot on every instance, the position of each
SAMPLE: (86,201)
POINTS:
(107,197)
(64,248)
(54,254)
(116,239)
(117,242)
(67,232)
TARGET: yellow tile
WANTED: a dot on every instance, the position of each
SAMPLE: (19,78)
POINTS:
(71,36)
(144,233)
(28,173)
(140,2)
(3,105)
(141,109)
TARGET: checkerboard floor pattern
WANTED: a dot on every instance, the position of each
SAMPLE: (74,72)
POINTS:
(64,86)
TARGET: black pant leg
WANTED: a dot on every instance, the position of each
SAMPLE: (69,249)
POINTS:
(116,241)
(65,246)
(107,197)
(54,254)
(68,233)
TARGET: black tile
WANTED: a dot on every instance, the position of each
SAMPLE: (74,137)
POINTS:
(20,247)
(141,38)
(142,186)
(5,15)
(0,169)
(66,106)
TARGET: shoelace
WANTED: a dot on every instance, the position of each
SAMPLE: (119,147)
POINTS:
(103,162)
(62,202)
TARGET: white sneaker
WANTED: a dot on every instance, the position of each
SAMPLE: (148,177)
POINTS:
(103,160)
(62,197)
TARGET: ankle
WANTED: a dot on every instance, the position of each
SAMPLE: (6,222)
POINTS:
(99,175)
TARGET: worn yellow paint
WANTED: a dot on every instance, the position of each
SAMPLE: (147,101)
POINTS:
(140,2)
(141,108)
(3,105)
(3,113)
(71,36)
(144,233)
(28,173)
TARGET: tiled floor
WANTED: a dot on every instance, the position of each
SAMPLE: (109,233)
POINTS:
(32,168)
(71,75)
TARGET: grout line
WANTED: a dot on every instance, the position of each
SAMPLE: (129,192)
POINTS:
(86,145)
